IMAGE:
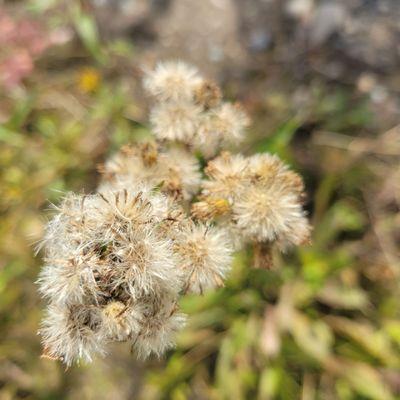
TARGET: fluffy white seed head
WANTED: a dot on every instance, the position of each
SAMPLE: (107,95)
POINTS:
(105,256)
(144,266)
(69,278)
(161,321)
(221,127)
(174,170)
(228,176)
(189,110)
(175,121)
(264,198)
(205,255)
(172,80)
(270,214)
(117,261)
(121,321)
(230,121)
(72,333)
(207,139)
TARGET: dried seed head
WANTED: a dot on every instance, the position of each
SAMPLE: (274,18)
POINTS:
(175,121)
(72,333)
(269,214)
(105,255)
(204,254)
(117,261)
(174,170)
(161,321)
(221,127)
(228,173)
(189,110)
(207,139)
(121,322)
(230,121)
(265,199)
(172,81)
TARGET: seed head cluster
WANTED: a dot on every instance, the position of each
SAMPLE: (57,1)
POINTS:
(189,109)
(117,261)
(257,198)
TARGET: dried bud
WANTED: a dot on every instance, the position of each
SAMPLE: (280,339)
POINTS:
(210,208)
(149,154)
(208,94)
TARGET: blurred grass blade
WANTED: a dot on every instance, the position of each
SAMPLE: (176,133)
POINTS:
(86,28)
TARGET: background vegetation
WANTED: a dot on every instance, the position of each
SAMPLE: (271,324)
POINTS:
(324,324)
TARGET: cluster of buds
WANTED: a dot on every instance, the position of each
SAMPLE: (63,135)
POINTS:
(117,261)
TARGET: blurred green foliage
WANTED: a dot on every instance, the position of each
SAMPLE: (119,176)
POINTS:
(323,324)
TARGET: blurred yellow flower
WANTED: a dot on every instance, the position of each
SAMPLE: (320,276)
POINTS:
(88,80)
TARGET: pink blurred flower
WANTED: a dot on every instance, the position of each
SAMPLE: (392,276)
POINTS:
(21,41)
(15,67)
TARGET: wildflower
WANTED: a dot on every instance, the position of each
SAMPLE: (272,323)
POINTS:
(69,279)
(228,174)
(189,110)
(230,122)
(271,214)
(88,80)
(175,81)
(210,208)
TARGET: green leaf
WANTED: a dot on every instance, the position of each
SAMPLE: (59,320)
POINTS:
(278,142)
(270,381)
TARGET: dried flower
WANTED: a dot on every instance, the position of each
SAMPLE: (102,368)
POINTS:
(204,254)
(227,174)
(117,261)
(161,321)
(174,170)
(104,254)
(210,208)
(171,80)
(177,121)
(230,122)
(72,333)
(264,197)
(121,321)
(189,110)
